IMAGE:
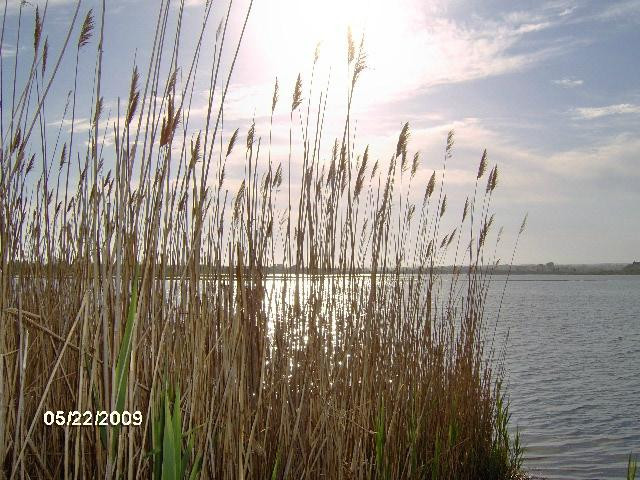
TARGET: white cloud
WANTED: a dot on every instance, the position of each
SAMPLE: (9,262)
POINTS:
(616,10)
(8,51)
(80,125)
(569,82)
(590,113)
(13,5)
(616,154)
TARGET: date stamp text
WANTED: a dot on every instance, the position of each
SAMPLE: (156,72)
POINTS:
(100,418)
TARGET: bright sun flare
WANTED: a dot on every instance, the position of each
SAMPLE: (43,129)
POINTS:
(293,28)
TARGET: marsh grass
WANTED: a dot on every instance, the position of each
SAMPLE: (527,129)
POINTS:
(632,467)
(132,268)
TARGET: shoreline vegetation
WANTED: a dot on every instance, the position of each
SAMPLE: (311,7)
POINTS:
(376,376)
(172,272)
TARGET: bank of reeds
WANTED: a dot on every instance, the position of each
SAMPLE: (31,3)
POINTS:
(133,279)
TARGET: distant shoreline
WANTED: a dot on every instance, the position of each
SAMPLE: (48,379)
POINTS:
(604,269)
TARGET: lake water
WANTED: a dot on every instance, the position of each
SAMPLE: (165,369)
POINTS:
(573,366)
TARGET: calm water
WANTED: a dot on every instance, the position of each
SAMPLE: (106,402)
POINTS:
(573,366)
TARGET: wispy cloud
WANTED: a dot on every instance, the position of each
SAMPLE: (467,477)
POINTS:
(8,51)
(80,125)
(569,82)
(14,5)
(590,113)
(615,10)
(547,14)
(614,156)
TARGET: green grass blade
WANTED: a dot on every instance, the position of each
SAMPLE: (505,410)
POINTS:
(169,461)
(632,466)
(276,467)
(124,355)
(197,467)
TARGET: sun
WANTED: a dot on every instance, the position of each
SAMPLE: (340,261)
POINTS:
(286,33)
(292,29)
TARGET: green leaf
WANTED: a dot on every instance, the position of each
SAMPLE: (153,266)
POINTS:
(177,435)
(169,463)
(157,433)
(632,466)
(197,467)
(124,356)
(276,466)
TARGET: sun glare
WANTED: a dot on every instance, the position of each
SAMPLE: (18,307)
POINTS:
(296,27)
(288,38)
(304,23)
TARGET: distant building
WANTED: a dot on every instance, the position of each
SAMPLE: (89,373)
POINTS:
(632,268)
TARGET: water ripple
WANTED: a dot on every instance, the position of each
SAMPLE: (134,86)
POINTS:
(572,371)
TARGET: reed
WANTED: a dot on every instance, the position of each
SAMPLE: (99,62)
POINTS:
(632,467)
(260,333)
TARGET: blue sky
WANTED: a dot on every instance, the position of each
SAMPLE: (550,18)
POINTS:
(550,88)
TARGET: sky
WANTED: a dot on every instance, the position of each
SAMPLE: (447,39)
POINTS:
(550,88)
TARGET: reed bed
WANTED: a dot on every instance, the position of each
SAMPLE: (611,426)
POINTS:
(261,333)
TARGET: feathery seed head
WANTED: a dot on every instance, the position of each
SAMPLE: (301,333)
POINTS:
(86,30)
(37,30)
(524,224)
(277,179)
(238,201)
(45,55)
(316,53)
(351,50)
(232,142)
(415,163)
(492,180)
(374,170)
(30,164)
(483,165)
(297,94)
(361,172)
(443,207)
(172,81)
(466,209)
(431,185)
(63,155)
(495,178)
(449,149)
(274,100)
(401,147)
(169,123)
(134,96)
(195,151)
(16,140)
(250,135)
(430,249)
(410,213)
(222,175)
(451,236)
(98,112)
(361,63)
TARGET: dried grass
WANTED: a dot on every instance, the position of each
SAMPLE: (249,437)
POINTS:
(336,364)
